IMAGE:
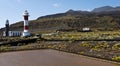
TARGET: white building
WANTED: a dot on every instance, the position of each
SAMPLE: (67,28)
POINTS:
(13,33)
(86,29)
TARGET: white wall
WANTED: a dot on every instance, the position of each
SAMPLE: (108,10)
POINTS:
(13,33)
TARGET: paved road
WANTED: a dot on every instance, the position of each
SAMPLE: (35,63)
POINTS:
(47,58)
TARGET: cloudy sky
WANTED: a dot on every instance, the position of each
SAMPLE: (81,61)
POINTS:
(13,9)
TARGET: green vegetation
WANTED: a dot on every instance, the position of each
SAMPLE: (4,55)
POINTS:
(11,39)
(97,35)
(116,46)
(116,58)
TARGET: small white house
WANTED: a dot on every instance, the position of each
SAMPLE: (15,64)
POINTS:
(86,29)
(13,33)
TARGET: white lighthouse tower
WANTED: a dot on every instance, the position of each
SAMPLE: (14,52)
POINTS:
(26,24)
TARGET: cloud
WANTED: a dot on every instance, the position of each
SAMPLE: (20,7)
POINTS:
(56,5)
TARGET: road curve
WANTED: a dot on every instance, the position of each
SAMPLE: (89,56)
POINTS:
(48,58)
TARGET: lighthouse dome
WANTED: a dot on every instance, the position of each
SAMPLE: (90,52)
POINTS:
(26,13)
(7,21)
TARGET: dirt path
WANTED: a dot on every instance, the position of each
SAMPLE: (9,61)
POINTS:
(48,58)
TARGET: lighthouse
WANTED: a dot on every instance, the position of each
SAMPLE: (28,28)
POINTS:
(7,28)
(26,32)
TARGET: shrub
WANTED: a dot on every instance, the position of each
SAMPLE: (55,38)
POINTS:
(117,58)
(82,53)
(85,44)
(116,46)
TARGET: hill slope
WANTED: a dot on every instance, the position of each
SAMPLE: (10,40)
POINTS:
(71,19)
(106,9)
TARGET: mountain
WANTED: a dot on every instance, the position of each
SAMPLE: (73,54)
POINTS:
(106,9)
(69,12)
(99,19)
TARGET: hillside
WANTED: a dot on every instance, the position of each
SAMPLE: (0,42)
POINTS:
(71,19)
(106,9)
